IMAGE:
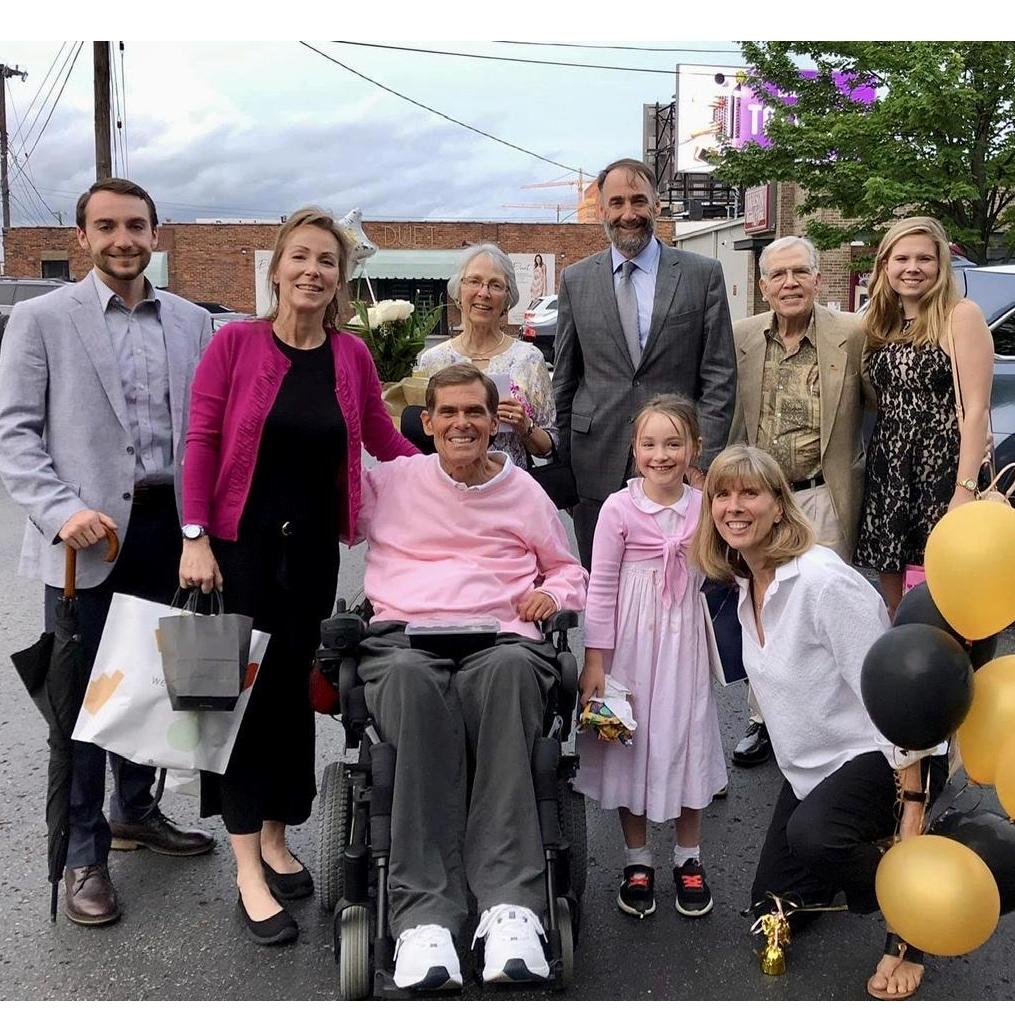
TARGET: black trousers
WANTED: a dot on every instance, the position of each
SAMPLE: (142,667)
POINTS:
(829,841)
(148,566)
(287,583)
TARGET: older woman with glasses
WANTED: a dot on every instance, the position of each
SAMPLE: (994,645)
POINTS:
(485,288)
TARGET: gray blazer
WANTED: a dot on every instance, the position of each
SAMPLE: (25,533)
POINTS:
(65,441)
(598,392)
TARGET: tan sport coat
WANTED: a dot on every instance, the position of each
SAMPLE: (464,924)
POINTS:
(840,339)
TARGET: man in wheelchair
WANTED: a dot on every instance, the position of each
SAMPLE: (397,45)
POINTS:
(453,537)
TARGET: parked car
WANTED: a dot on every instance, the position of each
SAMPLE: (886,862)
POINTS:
(540,326)
(220,313)
(14,290)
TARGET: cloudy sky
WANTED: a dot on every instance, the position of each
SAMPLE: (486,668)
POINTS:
(255,129)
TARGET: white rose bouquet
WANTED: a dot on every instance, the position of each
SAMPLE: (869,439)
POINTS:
(395,333)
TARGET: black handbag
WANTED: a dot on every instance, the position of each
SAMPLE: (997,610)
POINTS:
(557,481)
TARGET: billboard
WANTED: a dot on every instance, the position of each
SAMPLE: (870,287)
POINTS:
(705,105)
(536,277)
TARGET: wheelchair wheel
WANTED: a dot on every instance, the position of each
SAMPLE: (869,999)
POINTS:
(333,831)
(353,945)
(565,930)
(571,810)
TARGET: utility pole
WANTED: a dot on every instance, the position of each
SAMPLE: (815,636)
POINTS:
(103,141)
(5,193)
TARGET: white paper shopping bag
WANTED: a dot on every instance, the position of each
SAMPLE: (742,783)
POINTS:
(127,709)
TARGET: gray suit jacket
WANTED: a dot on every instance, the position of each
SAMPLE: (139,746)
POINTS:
(598,392)
(65,441)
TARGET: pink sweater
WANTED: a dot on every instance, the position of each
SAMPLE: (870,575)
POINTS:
(235,386)
(440,550)
(625,532)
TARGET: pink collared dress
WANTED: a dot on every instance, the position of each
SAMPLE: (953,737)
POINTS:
(644,612)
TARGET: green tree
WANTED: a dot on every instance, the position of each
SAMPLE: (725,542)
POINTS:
(938,140)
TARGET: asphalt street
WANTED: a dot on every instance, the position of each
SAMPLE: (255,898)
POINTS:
(179,938)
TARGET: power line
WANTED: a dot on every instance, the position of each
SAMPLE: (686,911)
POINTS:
(123,93)
(635,49)
(507,59)
(42,105)
(115,125)
(38,92)
(31,183)
(56,102)
(437,112)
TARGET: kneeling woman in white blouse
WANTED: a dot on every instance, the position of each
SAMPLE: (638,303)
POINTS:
(808,620)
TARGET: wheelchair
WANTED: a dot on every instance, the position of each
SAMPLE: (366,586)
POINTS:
(355,819)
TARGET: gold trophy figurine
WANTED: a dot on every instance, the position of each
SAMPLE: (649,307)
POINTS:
(775,927)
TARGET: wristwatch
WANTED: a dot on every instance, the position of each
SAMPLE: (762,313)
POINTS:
(967,484)
(193,531)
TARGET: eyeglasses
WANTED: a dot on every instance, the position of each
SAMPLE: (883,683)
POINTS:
(783,274)
(495,288)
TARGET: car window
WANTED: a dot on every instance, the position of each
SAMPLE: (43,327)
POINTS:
(29,292)
(6,293)
(552,304)
(1004,336)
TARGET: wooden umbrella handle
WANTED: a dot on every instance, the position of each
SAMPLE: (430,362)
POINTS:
(71,562)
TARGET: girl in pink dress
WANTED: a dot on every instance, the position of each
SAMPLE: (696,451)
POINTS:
(644,627)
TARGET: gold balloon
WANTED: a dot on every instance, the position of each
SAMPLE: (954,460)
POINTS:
(991,718)
(938,895)
(1004,775)
(970,560)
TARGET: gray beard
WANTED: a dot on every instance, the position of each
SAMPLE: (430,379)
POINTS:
(629,247)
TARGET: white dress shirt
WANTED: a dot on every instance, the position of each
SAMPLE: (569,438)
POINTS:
(819,617)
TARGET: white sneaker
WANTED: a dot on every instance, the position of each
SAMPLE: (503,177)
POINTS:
(513,947)
(425,959)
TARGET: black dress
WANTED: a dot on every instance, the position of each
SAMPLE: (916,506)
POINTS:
(283,571)
(913,455)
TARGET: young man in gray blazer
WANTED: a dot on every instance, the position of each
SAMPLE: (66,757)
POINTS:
(94,383)
(634,320)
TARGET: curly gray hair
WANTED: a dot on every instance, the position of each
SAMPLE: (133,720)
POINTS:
(499,258)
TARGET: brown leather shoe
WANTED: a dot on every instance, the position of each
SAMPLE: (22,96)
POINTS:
(90,897)
(160,835)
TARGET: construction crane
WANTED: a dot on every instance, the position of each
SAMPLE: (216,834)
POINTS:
(578,181)
(558,207)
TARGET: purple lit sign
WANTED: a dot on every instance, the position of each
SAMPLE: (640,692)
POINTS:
(753,113)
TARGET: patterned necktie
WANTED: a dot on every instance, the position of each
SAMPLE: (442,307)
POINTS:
(627,304)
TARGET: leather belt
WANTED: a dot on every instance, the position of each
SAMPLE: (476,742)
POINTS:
(808,484)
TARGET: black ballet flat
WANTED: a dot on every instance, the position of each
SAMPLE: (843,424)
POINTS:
(279,929)
(286,887)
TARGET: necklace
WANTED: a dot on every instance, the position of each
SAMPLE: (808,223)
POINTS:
(501,344)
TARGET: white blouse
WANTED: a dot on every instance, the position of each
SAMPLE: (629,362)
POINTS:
(819,617)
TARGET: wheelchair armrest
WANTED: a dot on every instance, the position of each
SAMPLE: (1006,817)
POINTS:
(561,621)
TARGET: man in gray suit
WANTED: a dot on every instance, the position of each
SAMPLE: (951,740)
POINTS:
(634,320)
(94,383)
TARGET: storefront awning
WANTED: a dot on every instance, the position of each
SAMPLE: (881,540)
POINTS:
(410,264)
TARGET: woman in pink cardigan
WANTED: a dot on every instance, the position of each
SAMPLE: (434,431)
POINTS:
(280,410)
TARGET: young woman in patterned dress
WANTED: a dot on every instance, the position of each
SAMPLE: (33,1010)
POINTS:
(922,461)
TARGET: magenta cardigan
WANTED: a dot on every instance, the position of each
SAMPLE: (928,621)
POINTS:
(235,386)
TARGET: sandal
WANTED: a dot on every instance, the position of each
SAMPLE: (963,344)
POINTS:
(894,945)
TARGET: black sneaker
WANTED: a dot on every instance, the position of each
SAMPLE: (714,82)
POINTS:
(637,897)
(694,897)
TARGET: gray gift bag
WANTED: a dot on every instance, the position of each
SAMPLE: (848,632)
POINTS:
(204,656)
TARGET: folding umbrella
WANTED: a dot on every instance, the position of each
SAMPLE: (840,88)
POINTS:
(54,672)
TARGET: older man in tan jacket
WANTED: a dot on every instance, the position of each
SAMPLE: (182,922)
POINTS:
(800,398)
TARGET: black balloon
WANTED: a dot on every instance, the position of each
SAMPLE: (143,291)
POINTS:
(992,838)
(917,685)
(917,607)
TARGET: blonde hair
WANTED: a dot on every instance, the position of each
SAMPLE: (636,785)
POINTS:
(337,309)
(678,409)
(791,536)
(884,316)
